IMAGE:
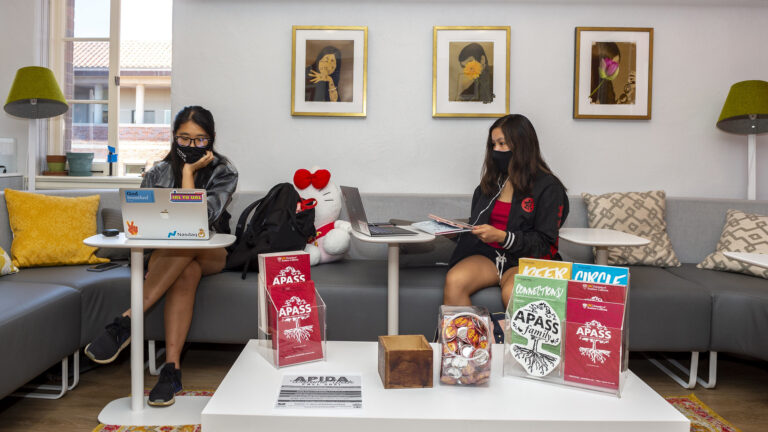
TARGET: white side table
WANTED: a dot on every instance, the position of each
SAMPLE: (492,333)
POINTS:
(601,239)
(393,269)
(130,410)
(758,259)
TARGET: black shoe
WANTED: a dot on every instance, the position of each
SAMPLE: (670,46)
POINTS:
(167,386)
(115,337)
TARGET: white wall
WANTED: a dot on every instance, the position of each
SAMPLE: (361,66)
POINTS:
(17,18)
(240,69)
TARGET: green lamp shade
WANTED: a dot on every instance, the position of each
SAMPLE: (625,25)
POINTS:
(35,94)
(746,108)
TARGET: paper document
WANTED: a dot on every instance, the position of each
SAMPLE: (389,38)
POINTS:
(437,228)
(316,390)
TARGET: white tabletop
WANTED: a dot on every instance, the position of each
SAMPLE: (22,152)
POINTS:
(601,237)
(217,240)
(420,237)
(246,398)
(758,259)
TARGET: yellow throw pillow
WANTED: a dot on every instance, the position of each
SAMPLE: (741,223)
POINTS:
(49,230)
(6,266)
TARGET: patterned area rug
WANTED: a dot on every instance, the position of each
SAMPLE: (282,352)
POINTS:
(702,418)
(184,428)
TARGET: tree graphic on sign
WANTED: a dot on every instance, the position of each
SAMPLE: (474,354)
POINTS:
(297,333)
(539,324)
(595,333)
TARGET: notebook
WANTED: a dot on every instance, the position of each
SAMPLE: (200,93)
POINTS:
(360,222)
(167,214)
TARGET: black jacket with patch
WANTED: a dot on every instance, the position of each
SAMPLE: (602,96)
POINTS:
(532,227)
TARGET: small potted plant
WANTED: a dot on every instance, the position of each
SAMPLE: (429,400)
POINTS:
(56,165)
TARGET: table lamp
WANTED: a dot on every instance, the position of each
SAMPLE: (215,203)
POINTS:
(34,94)
(745,112)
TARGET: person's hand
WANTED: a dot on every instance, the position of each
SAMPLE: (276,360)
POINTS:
(318,76)
(489,234)
(201,163)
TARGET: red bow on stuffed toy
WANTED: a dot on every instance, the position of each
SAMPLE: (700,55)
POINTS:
(319,179)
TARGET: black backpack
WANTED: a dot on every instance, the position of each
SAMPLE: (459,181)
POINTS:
(274,227)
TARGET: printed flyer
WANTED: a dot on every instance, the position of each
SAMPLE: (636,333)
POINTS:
(321,391)
(537,315)
(593,343)
(600,274)
(597,292)
(296,335)
(544,268)
(276,269)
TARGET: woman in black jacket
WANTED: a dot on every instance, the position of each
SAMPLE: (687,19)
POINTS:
(517,211)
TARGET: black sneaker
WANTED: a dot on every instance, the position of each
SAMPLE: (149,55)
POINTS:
(115,337)
(167,386)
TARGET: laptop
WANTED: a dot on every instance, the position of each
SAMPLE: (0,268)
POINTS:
(360,221)
(165,214)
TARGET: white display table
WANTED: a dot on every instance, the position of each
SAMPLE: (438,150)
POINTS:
(393,269)
(246,398)
(758,259)
(601,239)
(131,410)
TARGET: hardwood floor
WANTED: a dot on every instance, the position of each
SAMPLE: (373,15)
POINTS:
(740,396)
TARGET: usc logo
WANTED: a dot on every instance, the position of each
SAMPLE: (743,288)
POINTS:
(527,205)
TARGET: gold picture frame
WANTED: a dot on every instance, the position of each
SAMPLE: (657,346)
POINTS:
(332,65)
(613,73)
(470,71)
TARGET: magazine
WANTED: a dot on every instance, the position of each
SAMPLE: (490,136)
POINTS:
(437,228)
(451,222)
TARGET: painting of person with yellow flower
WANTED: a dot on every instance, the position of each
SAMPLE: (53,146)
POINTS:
(613,73)
(473,72)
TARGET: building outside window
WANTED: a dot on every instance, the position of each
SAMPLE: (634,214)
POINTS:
(83,34)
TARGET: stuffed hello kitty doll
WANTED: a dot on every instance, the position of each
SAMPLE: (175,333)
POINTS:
(333,235)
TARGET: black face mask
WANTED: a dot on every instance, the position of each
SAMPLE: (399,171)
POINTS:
(190,154)
(501,160)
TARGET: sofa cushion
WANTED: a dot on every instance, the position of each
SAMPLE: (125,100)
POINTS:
(49,231)
(743,232)
(104,295)
(638,213)
(739,309)
(667,312)
(6,265)
(39,326)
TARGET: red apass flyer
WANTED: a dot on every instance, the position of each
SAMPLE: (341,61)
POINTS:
(296,327)
(593,342)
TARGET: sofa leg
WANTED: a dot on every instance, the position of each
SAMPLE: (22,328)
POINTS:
(692,373)
(43,391)
(712,371)
(152,356)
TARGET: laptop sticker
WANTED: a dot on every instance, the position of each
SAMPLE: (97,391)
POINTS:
(140,196)
(186,197)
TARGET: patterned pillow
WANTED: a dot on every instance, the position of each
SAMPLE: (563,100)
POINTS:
(6,266)
(743,232)
(638,213)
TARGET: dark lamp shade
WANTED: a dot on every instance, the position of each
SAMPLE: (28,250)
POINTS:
(35,94)
(746,108)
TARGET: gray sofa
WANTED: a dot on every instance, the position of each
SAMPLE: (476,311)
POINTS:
(49,313)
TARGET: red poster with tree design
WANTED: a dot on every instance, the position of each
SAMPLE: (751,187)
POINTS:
(297,334)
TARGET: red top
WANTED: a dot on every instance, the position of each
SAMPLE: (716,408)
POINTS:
(499,218)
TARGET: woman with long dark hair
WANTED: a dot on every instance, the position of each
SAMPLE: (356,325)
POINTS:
(175,273)
(322,78)
(517,211)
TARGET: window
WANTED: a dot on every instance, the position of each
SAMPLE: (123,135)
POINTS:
(134,115)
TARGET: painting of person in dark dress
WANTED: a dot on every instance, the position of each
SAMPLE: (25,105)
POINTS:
(322,77)
(473,73)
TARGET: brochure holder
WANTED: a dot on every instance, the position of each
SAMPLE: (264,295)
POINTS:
(295,331)
(582,342)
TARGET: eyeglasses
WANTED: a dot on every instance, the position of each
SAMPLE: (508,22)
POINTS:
(185,141)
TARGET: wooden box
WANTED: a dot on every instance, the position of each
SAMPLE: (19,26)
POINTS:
(405,361)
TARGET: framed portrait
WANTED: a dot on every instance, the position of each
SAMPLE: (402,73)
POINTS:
(330,68)
(470,71)
(613,73)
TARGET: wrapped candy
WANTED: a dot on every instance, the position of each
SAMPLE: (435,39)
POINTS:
(465,332)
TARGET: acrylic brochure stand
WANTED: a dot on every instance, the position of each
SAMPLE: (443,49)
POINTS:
(294,331)
(559,331)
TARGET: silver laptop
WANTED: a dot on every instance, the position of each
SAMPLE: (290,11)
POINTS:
(167,214)
(360,222)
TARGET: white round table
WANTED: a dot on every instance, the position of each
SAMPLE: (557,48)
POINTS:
(130,411)
(601,239)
